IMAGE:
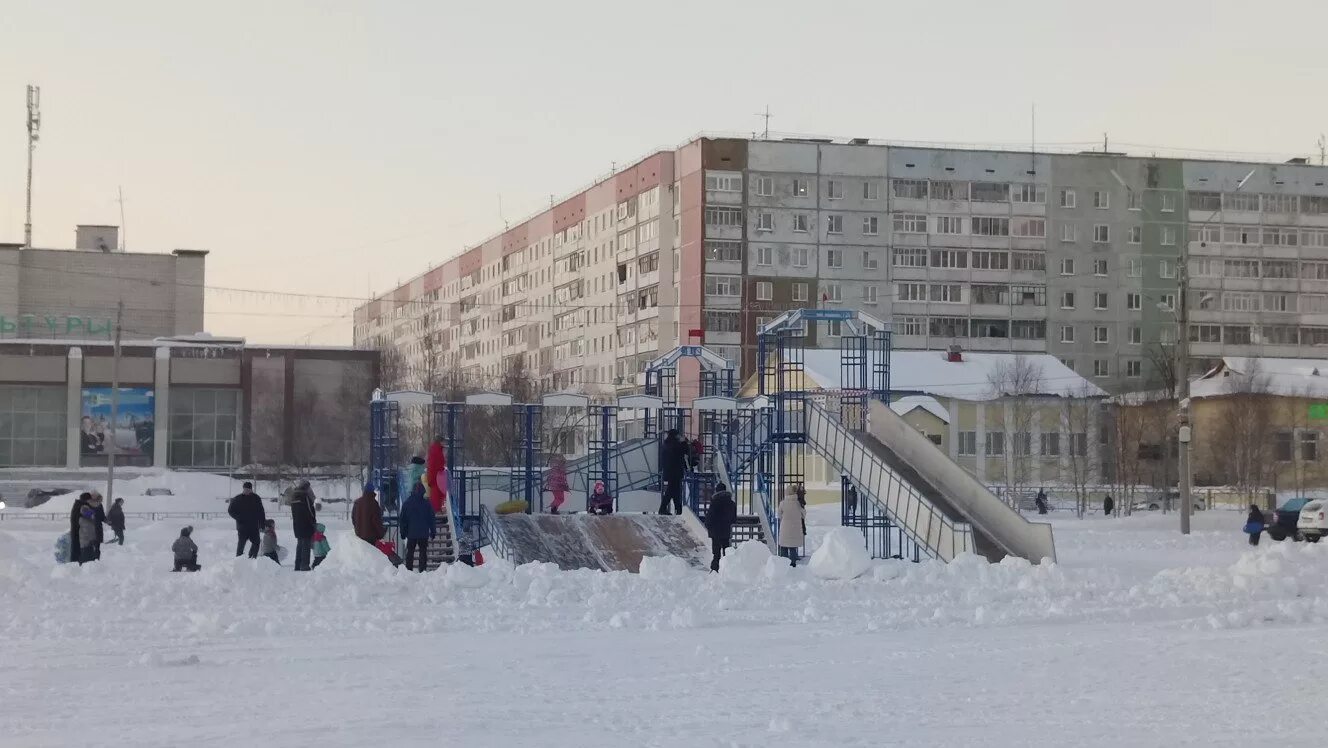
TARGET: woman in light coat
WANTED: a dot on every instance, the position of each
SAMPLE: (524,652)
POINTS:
(792,536)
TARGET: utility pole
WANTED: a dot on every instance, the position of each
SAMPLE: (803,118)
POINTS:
(115,406)
(34,129)
(765,135)
(1183,390)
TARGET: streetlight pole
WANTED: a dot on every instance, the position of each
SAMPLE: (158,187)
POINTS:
(1183,388)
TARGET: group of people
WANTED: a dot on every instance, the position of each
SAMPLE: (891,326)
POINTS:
(86,520)
(677,456)
(255,530)
(723,513)
(1040,501)
(600,501)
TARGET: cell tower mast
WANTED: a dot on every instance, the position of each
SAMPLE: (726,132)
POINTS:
(34,128)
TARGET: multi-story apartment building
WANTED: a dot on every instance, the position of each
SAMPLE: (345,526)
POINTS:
(1076,255)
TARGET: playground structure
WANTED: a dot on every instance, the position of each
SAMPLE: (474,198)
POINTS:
(909,500)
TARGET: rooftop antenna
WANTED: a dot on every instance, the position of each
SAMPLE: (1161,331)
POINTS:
(1032,139)
(765,134)
(1323,146)
(500,213)
(119,191)
(34,129)
(1105,149)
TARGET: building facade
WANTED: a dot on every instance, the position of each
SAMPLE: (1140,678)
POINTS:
(74,293)
(1075,255)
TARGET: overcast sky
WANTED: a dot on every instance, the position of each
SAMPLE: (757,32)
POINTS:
(338,147)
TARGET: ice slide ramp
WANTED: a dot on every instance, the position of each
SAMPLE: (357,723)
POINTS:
(938,503)
(614,543)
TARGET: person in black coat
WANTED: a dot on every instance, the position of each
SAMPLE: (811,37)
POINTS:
(1254,524)
(719,521)
(74,513)
(116,519)
(1108,506)
(246,508)
(674,457)
(303,519)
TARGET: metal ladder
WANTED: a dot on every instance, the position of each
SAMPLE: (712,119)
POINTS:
(442,547)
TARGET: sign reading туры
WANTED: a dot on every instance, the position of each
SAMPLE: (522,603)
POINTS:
(54,326)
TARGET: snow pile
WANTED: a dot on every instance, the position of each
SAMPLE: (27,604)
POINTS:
(842,555)
(745,563)
(351,555)
(661,568)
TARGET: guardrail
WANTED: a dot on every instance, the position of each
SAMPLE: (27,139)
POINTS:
(493,531)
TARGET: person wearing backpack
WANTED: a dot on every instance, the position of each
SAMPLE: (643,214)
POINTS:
(1254,524)
(418,526)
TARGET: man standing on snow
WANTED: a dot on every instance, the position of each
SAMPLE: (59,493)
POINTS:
(674,456)
(418,525)
(721,515)
(75,514)
(246,508)
(303,519)
(116,519)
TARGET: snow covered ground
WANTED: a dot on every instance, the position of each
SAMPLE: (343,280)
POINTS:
(1138,637)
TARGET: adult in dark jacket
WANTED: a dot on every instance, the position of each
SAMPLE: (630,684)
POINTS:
(674,457)
(418,526)
(800,491)
(366,516)
(1040,501)
(721,515)
(246,508)
(74,512)
(116,519)
(95,501)
(303,519)
(1108,506)
(1254,524)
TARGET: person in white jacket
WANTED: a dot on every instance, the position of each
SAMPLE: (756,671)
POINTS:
(791,533)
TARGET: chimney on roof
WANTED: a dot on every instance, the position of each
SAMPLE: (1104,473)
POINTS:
(955,354)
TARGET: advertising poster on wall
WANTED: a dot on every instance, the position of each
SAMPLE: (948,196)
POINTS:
(134,429)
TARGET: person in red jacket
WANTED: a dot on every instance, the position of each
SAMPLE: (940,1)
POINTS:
(434,465)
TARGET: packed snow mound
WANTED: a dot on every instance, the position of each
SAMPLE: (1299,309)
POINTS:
(354,556)
(745,563)
(842,555)
(665,567)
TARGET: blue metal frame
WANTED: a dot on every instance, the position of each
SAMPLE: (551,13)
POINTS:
(384,416)
(603,445)
(468,526)
(527,474)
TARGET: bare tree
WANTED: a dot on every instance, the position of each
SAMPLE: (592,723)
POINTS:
(1129,450)
(1078,416)
(1238,447)
(1016,384)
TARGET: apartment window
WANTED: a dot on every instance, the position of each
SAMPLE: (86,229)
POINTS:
(981,293)
(800,188)
(1099,300)
(949,258)
(915,189)
(834,224)
(1240,201)
(947,327)
(870,225)
(1101,367)
(723,217)
(765,290)
(990,226)
(716,183)
(1132,200)
(910,258)
(948,293)
(949,224)
(1101,200)
(723,285)
(1067,300)
(1134,302)
(1022,444)
(715,251)
(1167,269)
(799,291)
(1029,295)
(1101,233)
(765,256)
(1028,193)
(801,257)
(1240,268)
(722,321)
(1100,334)
(1313,304)
(1236,334)
(1283,442)
(1069,363)
(912,325)
(871,190)
(834,258)
(1067,333)
(833,292)
(32,426)
(995,443)
(1050,444)
(832,328)
(1079,441)
(1309,446)
(1166,336)
(910,223)
(1168,202)
(1028,227)
(990,260)
(1168,236)
(1067,266)
(911,292)
(1029,261)
(203,427)
(989,192)
(968,443)
(1069,232)
(1067,198)
(801,223)
(765,186)
(869,294)
(765,222)
(1240,234)
(1136,336)
(949,190)
(1168,302)
(834,190)
(1279,269)
(1099,267)
(870,260)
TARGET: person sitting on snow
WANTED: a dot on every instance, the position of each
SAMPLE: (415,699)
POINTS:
(600,501)
(267,545)
(186,551)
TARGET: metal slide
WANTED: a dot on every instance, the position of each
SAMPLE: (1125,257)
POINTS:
(938,504)
(636,464)
(616,542)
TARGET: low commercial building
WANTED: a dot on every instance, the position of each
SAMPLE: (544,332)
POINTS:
(185,402)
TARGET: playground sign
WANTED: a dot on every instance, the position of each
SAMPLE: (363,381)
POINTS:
(1319,411)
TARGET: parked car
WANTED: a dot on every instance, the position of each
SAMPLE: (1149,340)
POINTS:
(1155,501)
(1282,523)
(1313,521)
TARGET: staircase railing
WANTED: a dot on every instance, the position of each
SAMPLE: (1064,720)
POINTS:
(492,529)
(923,523)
